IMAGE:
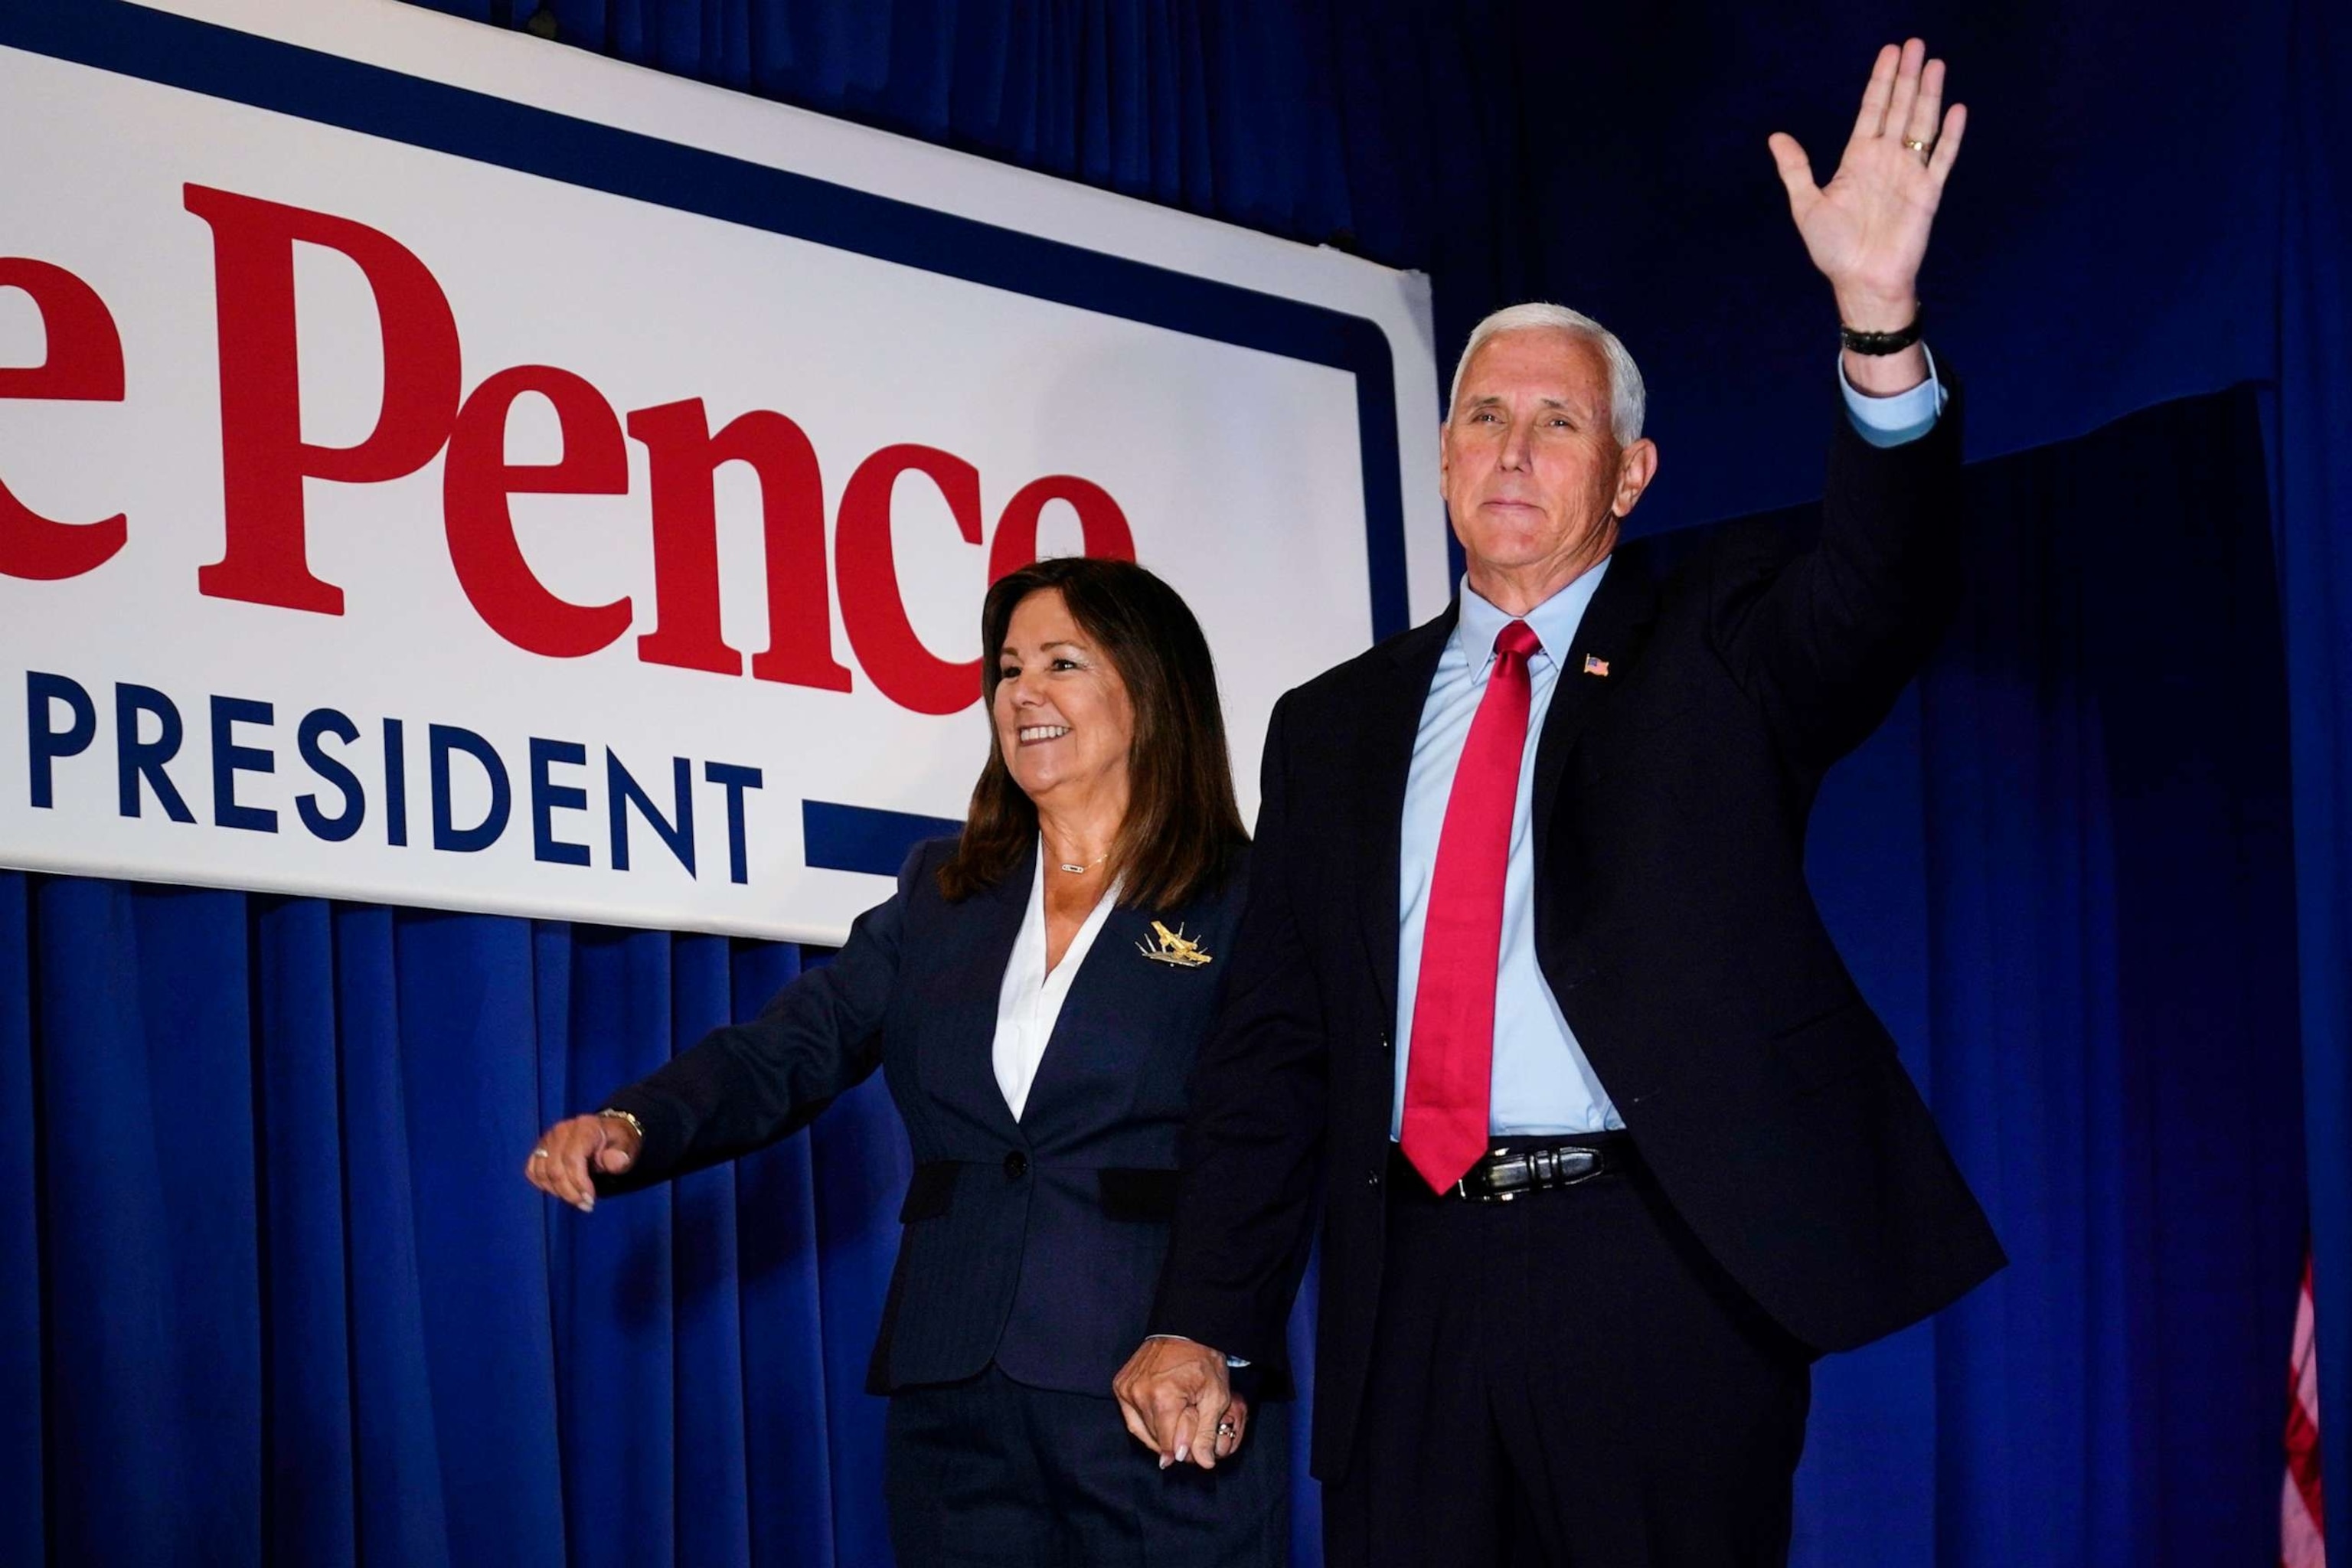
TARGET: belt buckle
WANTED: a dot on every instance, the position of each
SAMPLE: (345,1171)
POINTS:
(1541,1170)
(1461,1186)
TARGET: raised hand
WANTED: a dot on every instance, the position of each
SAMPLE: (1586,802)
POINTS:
(559,1162)
(1867,228)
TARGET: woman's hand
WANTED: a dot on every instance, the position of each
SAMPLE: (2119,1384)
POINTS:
(1178,1400)
(1236,1418)
(559,1164)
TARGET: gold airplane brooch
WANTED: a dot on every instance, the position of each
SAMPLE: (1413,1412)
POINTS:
(1173,947)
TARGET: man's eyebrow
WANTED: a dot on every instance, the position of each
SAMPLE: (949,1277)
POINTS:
(1494,399)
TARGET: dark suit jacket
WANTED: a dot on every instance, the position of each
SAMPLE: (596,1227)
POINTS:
(1671,920)
(1033,1243)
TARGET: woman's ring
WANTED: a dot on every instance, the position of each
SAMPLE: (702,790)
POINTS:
(541,1155)
(1224,1428)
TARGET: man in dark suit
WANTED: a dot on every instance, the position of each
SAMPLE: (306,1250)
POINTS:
(1530,983)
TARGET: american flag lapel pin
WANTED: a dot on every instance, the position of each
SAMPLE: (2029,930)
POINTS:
(1595,666)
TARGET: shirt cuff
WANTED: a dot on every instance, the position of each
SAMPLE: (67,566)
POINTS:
(1893,421)
(1231,1361)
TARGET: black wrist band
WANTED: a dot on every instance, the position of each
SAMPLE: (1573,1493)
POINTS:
(1877,344)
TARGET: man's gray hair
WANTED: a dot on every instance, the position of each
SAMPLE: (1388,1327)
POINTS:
(1627,399)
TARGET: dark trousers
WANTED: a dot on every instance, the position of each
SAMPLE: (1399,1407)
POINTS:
(991,1472)
(1567,1379)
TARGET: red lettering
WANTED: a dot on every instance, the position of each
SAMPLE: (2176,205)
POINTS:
(871,610)
(263,459)
(265,464)
(475,482)
(83,365)
(684,458)
(1102,527)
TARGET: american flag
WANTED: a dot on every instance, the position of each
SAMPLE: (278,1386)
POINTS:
(2302,1536)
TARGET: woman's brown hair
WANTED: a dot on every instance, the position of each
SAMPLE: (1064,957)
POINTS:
(1181,825)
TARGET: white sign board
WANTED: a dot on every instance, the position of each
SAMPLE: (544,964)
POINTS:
(445,468)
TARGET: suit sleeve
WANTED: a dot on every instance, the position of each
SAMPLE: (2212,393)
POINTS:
(743,1086)
(1827,640)
(1255,1127)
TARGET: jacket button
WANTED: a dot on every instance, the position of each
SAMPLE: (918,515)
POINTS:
(1016,1166)
(1385,1045)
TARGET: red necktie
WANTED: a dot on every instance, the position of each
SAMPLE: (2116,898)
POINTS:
(1451,1053)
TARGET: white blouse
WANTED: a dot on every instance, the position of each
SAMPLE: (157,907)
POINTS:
(1031,1002)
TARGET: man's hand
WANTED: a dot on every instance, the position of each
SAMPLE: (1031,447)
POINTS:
(559,1162)
(1867,228)
(1178,1400)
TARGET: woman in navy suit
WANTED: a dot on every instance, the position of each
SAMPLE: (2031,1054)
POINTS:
(1034,993)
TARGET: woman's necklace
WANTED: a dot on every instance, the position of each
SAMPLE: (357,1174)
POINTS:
(1082,870)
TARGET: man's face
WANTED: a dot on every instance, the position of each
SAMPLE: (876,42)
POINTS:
(1530,471)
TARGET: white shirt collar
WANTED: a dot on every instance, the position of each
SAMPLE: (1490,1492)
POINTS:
(1029,1001)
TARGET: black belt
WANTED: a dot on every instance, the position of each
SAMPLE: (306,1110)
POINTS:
(1514,1167)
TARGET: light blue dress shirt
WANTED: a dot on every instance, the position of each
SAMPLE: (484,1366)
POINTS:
(1542,1084)
(1891,421)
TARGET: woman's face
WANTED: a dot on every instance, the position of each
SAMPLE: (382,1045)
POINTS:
(1063,717)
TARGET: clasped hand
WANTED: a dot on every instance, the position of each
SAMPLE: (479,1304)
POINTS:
(1178,1400)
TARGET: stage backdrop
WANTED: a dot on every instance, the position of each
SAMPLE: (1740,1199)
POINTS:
(447,471)
(270,1285)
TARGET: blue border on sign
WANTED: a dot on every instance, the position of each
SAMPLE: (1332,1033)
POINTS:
(860,839)
(265,73)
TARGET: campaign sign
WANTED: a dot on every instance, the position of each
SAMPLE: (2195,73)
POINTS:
(445,468)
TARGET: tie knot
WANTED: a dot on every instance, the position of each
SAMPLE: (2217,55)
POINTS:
(1519,638)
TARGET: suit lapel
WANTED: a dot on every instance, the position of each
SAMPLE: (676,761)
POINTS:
(1392,725)
(1609,638)
(960,1058)
(1095,1010)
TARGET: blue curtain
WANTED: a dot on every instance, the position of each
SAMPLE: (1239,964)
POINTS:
(271,1286)
(280,1291)
(2063,870)
(2311,426)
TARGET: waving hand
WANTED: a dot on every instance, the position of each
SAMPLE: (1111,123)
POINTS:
(1867,228)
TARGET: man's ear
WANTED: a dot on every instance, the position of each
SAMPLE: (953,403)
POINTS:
(1637,465)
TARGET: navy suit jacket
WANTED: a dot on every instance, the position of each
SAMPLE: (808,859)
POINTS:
(1672,922)
(1033,1243)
